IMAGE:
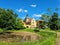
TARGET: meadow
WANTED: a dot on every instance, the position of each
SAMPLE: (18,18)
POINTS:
(48,38)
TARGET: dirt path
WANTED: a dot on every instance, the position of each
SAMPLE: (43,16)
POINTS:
(58,38)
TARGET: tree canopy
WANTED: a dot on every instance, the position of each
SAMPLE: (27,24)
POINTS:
(8,19)
(54,22)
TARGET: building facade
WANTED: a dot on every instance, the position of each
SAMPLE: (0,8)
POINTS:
(30,23)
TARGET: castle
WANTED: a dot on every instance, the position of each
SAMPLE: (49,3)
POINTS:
(31,22)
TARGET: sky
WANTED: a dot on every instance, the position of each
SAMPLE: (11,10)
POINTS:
(34,8)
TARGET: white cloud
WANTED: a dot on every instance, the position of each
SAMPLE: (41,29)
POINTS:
(25,10)
(21,10)
(33,5)
(37,15)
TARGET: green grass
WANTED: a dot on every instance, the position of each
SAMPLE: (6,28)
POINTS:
(48,38)
(57,30)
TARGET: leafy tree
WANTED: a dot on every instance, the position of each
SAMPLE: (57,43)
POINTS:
(59,23)
(19,24)
(8,19)
(54,21)
(45,19)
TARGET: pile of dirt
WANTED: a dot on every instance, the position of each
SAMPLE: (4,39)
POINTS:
(19,36)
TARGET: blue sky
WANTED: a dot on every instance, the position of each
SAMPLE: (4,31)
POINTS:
(35,8)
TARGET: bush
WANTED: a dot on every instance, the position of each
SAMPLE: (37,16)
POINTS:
(1,30)
(36,30)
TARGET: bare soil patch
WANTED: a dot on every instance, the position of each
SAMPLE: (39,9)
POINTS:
(19,36)
(58,38)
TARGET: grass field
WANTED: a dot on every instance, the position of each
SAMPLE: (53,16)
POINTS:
(48,38)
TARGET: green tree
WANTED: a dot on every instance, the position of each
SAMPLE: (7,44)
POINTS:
(8,19)
(59,23)
(54,21)
(45,19)
(19,24)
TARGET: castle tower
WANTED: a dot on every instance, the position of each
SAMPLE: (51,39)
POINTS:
(30,23)
(33,23)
